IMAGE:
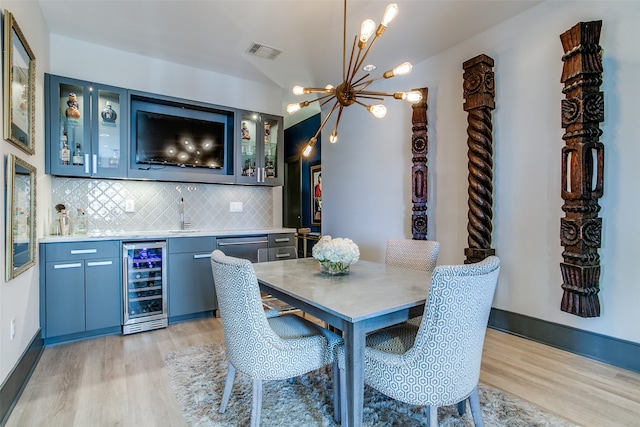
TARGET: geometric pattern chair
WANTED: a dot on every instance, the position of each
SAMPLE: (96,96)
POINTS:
(414,254)
(264,348)
(438,363)
(277,254)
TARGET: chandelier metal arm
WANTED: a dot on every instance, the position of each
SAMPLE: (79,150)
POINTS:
(349,70)
(366,53)
(372,97)
(324,122)
(369,94)
(319,90)
(338,119)
(344,43)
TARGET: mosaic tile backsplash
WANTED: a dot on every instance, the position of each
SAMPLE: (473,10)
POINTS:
(156,205)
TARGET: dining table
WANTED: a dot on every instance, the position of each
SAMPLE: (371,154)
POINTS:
(372,296)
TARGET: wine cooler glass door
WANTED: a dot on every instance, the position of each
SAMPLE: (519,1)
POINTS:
(145,286)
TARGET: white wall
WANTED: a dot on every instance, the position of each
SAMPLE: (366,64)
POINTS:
(367,174)
(86,61)
(19,298)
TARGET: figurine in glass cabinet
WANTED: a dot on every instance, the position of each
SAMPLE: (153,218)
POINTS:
(245,131)
(72,104)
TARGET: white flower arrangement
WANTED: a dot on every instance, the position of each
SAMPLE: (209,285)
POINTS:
(336,255)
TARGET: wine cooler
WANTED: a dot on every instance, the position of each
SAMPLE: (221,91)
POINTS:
(145,290)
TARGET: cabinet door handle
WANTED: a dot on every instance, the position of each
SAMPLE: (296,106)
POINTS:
(61,266)
(95,163)
(97,263)
(86,163)
(199,256)
(83,251)
(241,243)
(283,255)
(282,239)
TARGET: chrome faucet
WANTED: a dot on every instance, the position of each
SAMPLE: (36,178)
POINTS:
(182,223)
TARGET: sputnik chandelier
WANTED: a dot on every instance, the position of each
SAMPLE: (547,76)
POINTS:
(352,90)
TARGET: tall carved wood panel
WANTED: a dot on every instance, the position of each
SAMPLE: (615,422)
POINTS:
(419,149)
(582,169)
(479,94)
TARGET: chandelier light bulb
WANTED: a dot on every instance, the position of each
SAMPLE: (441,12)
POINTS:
(292,108)
(308,148)
(367,29)
(298,90)
(412,97)
(329,87)
(334,136)
(390,12)
(404,68)
(378,110)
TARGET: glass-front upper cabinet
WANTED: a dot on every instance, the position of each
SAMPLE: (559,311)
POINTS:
(86,128)
(261,149)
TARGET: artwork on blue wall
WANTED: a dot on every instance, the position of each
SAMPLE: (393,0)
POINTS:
(316,199)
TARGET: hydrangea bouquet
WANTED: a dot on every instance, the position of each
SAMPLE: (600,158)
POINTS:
(335,255)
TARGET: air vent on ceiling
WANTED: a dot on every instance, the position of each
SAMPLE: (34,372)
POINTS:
(263,51)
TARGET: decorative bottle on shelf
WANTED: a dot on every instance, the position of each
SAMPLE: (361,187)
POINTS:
(108,114)
(77,155)
(267,132)
(81,223)
(64,151)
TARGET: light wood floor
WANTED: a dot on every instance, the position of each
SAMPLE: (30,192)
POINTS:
(122,381)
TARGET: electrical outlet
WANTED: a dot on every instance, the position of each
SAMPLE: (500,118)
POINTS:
(129,205)
(235,206)
(13,328)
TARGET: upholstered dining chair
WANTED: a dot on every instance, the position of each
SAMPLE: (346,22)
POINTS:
(414,254)
(276,254)
(438,363)
(262,348)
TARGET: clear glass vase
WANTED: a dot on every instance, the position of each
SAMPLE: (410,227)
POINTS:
(334,268)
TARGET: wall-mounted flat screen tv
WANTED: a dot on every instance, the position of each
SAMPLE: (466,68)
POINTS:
(174,136)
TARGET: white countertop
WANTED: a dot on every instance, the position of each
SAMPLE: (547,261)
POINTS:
(162,234)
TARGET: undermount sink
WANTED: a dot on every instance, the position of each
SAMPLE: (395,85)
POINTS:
(183,231)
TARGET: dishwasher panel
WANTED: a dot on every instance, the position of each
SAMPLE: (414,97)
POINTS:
(243,247)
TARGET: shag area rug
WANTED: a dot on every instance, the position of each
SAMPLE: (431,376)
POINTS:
(198,373)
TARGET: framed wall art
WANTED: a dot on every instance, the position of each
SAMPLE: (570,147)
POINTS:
(19,87)
(316,195)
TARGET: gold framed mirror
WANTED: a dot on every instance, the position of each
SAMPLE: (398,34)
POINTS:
(19,87)
(20,217)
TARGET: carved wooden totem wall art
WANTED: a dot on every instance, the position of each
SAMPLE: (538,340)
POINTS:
(479,94)
(582,169)
(419,149)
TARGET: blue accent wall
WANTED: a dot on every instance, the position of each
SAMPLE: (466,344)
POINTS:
(295,139)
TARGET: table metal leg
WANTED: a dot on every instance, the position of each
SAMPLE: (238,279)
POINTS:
(354,336)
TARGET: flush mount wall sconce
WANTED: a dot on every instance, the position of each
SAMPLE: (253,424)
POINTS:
(352,90)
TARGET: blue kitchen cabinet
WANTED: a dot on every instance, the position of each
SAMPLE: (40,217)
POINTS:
(82,289)
(191,291)
(260,139)
(86,128)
